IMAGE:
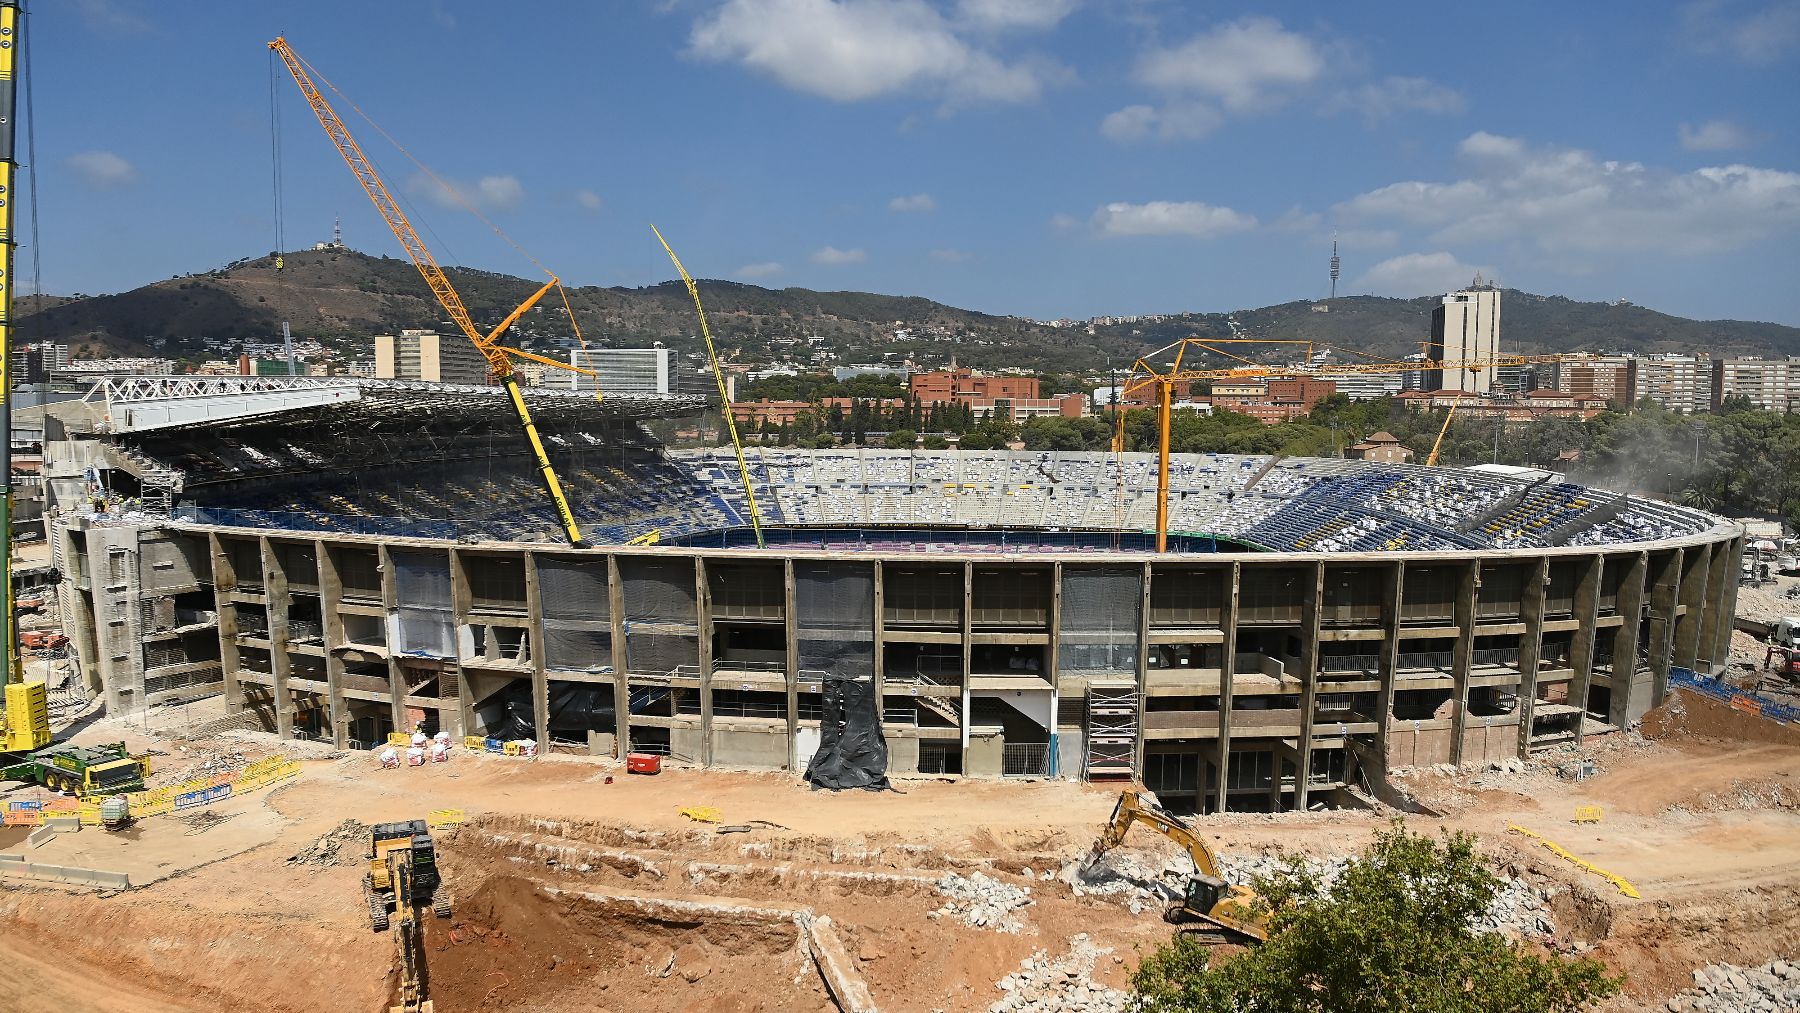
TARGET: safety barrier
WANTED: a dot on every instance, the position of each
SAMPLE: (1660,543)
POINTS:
(17,866)
(156,801)
(441,819)
(1587,814)
(400,739)
(1736,699)
(1561,852)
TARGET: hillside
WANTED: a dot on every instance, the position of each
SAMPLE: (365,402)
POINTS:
(341,297)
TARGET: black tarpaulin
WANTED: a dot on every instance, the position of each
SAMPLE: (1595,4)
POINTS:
(851,752)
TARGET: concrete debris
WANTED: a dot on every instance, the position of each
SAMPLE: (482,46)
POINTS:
(981,901)
(1064,984)
(1727,988)
(329,849)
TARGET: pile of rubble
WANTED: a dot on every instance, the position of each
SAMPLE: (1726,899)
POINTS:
(1065,984)
(1727,988)
(329,849)
(981,901)
(1519,909)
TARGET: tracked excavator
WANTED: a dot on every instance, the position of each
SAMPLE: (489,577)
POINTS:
(1210,907)
(403,875)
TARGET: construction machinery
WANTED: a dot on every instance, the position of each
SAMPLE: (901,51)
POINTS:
(402,850)
(1209,906)
(84,771)
(1164,369)
(499,357)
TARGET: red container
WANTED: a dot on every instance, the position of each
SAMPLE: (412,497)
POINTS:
(643,763)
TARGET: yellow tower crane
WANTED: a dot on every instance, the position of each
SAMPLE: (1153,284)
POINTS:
(499,357)
(1163,369)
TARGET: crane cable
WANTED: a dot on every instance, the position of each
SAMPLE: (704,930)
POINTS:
(724,395)
(455,195)
(280,210)
(31,180)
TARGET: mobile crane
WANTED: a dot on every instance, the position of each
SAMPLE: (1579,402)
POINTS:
(499,357)
(1210,904)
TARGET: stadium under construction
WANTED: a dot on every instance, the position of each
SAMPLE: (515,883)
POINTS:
(343,558)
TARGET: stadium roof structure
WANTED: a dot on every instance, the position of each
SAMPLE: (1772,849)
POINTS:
(141,404)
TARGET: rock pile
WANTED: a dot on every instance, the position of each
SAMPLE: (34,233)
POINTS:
(1061,985)
(1727,988)
(329,849)
(981,901)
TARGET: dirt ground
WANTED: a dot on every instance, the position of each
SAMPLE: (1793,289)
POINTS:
(573,893)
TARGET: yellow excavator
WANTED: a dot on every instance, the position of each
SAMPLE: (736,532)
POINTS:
(1210,906)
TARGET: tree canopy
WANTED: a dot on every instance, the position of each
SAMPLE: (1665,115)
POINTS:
(1390,935)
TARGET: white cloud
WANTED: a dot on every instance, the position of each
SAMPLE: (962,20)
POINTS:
(102,170)
(1754,32)
(589,200)
(853,50)
(1296,219)
(1064,222)
(1566,199)
(1255,65)
(832,256)
(764,269)
(1032,15)
(489,193)
(912,203)
(951,256)
(1169,218)
(1415,274)
(1380,100)
(1714,135)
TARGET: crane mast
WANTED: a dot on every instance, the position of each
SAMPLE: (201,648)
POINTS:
(498,356)
(10,23)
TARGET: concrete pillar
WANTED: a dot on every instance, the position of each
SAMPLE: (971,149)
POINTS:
(462,602)
(1388,660)
(1143,667)
(1586,614)
(1052,623)
(1228,620)
(275,593)
(390,601)
(1664,587)
(615,609)
(540,676)
(703,621)
(791,634)
(1309,682)
(1531,646)
(331,623)
(1727,602)
(879,636)
(1632,593)
(1468,586)
(968,639)
(1722,568)
(224,582)
(1696,573)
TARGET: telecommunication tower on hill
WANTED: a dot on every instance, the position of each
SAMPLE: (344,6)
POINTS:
(1334,267)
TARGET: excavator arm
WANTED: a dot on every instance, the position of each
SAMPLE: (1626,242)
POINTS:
(1132,808)
(1210,898)
(408,937)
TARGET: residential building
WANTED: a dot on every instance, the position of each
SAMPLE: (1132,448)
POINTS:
(842,373)
(1384,447)
(1680,383)
(1368,386)
(430,357)
(1613,377)
(1278,399)
(1771,384)
(1529,407)
(623,370)
(786,412)
(1466,326)
(966,385)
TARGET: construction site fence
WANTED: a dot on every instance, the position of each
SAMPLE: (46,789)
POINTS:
(1736,699)
(157,801)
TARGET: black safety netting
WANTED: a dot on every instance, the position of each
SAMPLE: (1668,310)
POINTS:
(662,615)
(834,618)
(421,619)
(852,753)
(577,615)
(1102,615)
(575,710)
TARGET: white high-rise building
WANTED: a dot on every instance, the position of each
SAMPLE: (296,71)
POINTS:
(1466,326)
(623,370)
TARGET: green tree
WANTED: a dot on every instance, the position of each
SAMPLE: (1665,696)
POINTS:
(901,439)
(936,442)
(1391,935)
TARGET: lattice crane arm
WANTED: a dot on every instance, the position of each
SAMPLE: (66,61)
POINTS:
(499,357)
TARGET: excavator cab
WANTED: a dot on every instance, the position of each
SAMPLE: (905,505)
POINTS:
(407,846)
(1205,892)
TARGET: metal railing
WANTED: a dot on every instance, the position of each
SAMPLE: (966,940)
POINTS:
(1025,759)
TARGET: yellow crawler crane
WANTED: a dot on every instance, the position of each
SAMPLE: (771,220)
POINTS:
(1210,905)
(499,357)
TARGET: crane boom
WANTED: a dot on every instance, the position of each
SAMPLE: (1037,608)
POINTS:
(499,357)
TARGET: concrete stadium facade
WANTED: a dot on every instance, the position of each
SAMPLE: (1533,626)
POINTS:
(1241,680)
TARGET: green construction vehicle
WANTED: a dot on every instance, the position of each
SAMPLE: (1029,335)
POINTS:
(107,769)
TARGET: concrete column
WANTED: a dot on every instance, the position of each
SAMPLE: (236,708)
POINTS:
(615,608)
(462,602)
(1632,593)
(1309,684)
(1664,587)
(1722,569)
(1388,660)
(1052,623)
(1696,574)
(1227,670)
(224,582)
(331,623)
(880,643)
(1143,667)
(1531,647)
(703,621)
(791,635)
(1467,587)
(540,676)
(390,601)
(968,640)
(1727,602)
(1586,613)
(275,593)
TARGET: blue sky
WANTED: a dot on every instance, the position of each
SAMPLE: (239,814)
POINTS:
(1041,157)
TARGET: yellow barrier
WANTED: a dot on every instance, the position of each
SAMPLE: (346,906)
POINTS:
(90,815)
(702,813)
(475,742)
(22,818)
(399,739)
(1587,814)
(511,749)
(443,818)
(1561,852)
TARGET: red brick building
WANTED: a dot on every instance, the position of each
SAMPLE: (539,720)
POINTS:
(786,412)
(1276,400)
(968,386)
